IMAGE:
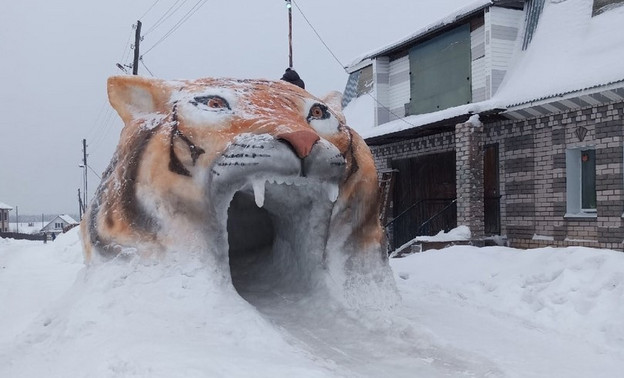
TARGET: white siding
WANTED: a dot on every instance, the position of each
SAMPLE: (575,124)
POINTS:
(398,87)
(477,43)
(381,78)
(503,26)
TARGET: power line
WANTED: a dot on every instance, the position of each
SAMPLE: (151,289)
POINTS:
(94,172)
(175,27)
(143,63)
(107,127)
(319,36)
(126,47)
(343,67)
(149,9)
(165,16)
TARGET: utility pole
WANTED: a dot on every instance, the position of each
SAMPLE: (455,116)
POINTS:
(80,205)
(137,42)
(17,219)
(290,51)
(84,162)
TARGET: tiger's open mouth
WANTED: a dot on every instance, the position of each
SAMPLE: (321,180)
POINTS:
(279,212)
(280,246)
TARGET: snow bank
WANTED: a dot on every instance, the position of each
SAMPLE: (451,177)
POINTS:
(129,318)
(489,312)
(576,291)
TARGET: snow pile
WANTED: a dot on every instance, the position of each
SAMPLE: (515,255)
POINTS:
(490,312)
(458,233)
(576,291)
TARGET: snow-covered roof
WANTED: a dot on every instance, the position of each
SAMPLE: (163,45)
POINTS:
(570,51)
(460,13)
(457,114)
(64,217)
(571,54)
(67,219)
(4,206)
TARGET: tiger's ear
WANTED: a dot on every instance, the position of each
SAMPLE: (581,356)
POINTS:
(334,101)
(134,96)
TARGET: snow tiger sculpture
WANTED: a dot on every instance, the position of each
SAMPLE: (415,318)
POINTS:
(257,177)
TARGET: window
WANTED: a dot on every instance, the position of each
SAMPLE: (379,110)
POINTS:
(440,72)
(588,180)
(601,6)
(581,182)
(58,225)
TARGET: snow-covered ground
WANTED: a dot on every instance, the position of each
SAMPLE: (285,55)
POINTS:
(480,312)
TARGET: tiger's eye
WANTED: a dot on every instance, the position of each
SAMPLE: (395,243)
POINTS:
(212,102)
(316,112)
(216,103)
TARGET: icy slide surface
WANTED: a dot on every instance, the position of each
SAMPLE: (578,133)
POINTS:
(491,312)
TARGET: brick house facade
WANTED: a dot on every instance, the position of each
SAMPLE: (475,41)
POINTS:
(534,178)
(545,171)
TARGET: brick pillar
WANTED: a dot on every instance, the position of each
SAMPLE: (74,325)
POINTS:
(469,176)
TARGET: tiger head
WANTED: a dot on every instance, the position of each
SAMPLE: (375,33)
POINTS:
(257,177)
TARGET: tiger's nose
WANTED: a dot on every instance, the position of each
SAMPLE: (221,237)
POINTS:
(301,141)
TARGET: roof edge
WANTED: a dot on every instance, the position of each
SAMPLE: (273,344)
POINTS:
(462,13)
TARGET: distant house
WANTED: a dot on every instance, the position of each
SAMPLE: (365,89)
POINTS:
(506,116)
(58,224)
(4,217)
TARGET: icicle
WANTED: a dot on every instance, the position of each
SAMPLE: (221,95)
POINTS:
(332,191)
(258,189)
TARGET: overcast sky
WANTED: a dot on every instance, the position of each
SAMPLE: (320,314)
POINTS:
(55,58)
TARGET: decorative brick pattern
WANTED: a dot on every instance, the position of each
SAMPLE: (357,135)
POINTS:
(533,177)
(532,171)
(410,148)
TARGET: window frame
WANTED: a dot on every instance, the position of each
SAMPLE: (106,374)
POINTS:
(574,184)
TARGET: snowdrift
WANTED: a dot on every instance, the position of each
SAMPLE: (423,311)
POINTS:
(489,312)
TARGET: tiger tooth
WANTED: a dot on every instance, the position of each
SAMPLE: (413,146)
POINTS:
(332,191)
(258,189)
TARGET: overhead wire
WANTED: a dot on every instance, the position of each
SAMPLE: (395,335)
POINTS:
(175,27)
(168,13)
(319,36)
(143,63)
(149,9)
(94,172)
(127,48)
(342,66)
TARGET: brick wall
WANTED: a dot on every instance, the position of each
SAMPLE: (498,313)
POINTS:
(469,177)
(533,177)
(409,148)
(532,171)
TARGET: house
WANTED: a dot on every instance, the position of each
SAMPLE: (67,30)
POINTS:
(4,217)
(59,224)
(507,117)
